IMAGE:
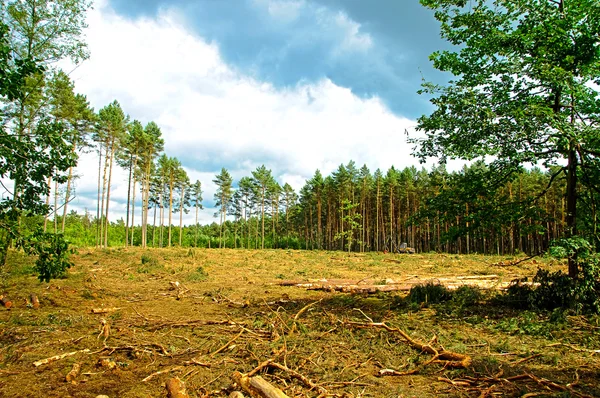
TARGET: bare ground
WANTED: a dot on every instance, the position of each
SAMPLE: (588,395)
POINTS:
(228,312)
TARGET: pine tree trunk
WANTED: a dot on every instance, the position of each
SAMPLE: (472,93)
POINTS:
(170,208)
(104,180)
(112,154)
(98,201)
(262,217)
(128,204)
(181,215)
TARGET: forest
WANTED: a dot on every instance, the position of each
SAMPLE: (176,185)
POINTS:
(519,203)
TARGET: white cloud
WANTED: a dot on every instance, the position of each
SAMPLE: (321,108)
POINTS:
(210,112)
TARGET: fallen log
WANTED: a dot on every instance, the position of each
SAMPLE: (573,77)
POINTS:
(176,388)
(58,357)
(104,310)
(236,394)
(257,387)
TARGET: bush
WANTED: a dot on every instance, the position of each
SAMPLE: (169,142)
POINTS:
(429,293)
(552,290)
(53,254)
(199,274)
(149,265)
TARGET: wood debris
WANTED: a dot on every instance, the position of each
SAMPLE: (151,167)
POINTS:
(371,286)
(104,310)
(34,302)
(5,302)
(58,357)
(176,388)
(72,375)
(257,387)
(449,359)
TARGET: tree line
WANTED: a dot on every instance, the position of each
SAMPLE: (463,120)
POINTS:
(354,209)
(517,101)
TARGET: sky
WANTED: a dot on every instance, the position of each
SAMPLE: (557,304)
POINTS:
(296,85)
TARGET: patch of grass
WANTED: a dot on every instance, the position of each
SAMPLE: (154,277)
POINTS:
(150,265)
(198,275)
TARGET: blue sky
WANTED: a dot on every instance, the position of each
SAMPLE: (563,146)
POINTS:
(297,85)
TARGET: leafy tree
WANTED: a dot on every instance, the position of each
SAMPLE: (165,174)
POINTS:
(28,159)
(523,90)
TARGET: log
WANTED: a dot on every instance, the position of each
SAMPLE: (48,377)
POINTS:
(6,303)
(236,394)
(176,388)
(72,375)
(58,357)
(257,387)
(104,310)
(35,302)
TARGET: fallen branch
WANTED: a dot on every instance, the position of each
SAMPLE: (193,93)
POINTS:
(574,348)
(227,345)
(468,381)
(305,380)
(257,387)
(302,311)
(447,358)
(194,361)
(104,310)
(160,372)
(190,323)
(526,359)
(58,357)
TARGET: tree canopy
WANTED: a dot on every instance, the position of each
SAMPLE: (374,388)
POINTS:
(524,90)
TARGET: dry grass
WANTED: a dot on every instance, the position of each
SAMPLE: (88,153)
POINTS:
(231,314)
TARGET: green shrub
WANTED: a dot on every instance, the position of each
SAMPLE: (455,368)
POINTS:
(430,293)
(552,290)
(53,253)
(199,274)
(149,265)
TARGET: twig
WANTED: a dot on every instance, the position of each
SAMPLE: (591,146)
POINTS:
(526,359)
(160,372)
(227,345)
(302,311)
(58,357)
(574,348)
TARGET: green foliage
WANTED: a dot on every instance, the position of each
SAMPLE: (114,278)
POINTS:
(149,265)
(430,293)
(53,253)
(199,274)
(553,290)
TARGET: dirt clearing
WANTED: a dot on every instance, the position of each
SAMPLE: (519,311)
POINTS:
(130,322)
